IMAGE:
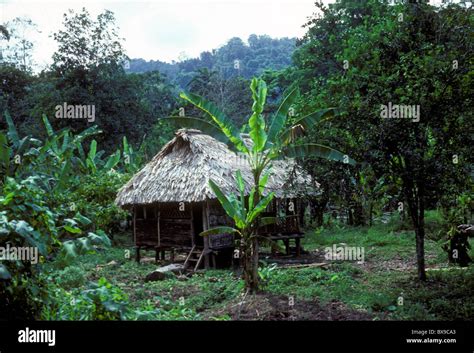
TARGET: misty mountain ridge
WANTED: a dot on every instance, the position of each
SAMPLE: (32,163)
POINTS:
(235,58)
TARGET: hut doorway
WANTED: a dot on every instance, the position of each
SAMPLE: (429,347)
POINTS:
(198,226)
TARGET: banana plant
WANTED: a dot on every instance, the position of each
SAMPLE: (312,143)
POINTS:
(271,140)
(244,213)
(5,152)
(93,161)
(130,158)
(54,158)
(16,153)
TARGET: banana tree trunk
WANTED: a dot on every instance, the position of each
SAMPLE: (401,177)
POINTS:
(250,264)
(255,278)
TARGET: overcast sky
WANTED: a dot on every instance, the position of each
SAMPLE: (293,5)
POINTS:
(162,29)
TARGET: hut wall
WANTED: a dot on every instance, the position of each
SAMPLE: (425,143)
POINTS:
(146,226)
(176,225)
(171,224)
(218,217)
(270,211)
(290,224)
(288,217)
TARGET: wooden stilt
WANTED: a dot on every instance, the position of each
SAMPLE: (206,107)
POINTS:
(157,253)
(206,239)
(137,255)
(287,246)
(298,246)
(213,261)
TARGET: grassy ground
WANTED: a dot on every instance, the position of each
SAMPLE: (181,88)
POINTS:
(383,287)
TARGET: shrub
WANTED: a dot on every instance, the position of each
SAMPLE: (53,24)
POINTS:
(71,277)
(93,196)
(100,301)
(25,221)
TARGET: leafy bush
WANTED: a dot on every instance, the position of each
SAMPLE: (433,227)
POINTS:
(81,246)
(456,243)
(25,221)
(382,301)
(30,215)
(171,310)
(265,272)
(26,201)
(94,197)
(101,301)
(70,277)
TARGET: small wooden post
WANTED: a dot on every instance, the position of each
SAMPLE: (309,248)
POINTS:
(213,261)
(134,226)
(193,243)
(137,255)
(287,246)
(206,239)
(298,247)
(158,224)
(137,248)
(157,253)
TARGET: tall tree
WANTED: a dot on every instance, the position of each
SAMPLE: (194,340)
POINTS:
(377,55)
(18,49)
(84,42)
(230,95)
(87,70)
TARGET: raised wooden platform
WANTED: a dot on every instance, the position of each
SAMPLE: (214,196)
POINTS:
(286,240)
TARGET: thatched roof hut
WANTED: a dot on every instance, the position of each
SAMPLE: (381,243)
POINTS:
(172,202)
(182,169)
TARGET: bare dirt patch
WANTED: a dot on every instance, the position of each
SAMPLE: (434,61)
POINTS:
(306,257)
(397,263)
(270,307)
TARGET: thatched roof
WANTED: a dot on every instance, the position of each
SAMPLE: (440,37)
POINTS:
(182,169)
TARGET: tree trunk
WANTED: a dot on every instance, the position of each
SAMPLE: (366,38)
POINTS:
(255,278)
(317,208)
(416,205)
(250,264)
(420,234)
(420,252)
(246,257)
(350,216)
(251,271)
(359,218)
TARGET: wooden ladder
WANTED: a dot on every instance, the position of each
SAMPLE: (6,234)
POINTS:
(191,258)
